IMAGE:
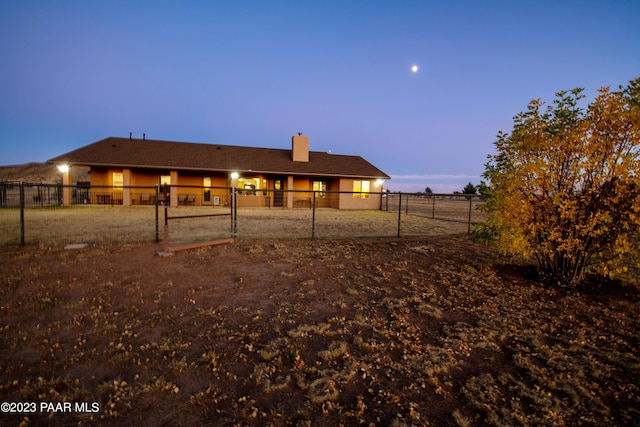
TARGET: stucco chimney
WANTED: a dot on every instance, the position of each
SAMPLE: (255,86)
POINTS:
(300,148)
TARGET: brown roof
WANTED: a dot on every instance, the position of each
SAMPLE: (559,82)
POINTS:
(155,154)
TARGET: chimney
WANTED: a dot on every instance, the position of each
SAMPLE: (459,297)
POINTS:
(144,136)
(300,148)
(130,135)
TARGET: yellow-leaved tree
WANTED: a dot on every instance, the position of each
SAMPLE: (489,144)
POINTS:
(564,184)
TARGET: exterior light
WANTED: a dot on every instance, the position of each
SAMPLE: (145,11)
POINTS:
(234,175)
(379,181)
(63,168)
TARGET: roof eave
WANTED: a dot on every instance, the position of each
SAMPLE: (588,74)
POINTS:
(239,170)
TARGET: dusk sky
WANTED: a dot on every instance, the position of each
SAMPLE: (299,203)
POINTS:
(256,73)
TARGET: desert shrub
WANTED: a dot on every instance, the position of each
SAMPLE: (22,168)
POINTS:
(564,184)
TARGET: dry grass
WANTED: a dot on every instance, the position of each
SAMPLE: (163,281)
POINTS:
(89,224)
(430,331)
(447,207)
(136,224)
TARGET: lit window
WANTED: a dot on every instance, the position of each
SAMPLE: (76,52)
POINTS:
(249,185)
(207,189)
(320,187)
(361,189)
(118,180)
(165,180)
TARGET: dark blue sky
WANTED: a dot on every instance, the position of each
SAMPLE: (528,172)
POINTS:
(255,73)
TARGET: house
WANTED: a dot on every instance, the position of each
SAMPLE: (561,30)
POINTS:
(125,170)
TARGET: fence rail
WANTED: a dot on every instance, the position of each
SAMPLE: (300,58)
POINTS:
(34,214)
(446,207)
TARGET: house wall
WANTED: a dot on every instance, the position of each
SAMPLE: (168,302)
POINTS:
(103,177)
(301,200)
(191,183)
(99,177)
(145,178)
(328,200)
(188,184)
(301,184)
(348,201)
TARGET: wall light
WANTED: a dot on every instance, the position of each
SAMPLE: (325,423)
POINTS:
(234,175)
(379,181)
(63,168)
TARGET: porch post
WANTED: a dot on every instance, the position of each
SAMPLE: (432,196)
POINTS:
(67,189)
(290,192)
(174,189)
(126,187)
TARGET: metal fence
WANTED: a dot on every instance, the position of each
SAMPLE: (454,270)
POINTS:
(34,214)
(446,207)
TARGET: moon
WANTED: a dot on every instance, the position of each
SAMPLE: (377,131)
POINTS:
(414,68)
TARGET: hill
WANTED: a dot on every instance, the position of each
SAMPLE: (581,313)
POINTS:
(40,172)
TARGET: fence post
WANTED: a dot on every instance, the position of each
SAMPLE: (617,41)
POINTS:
(232,203)
(433,206)
(469,223)
(157,217)
(22,214)
(399,210)
(313,217)
(234,212)
(166,228)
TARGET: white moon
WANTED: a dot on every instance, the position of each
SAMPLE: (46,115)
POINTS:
(414,68)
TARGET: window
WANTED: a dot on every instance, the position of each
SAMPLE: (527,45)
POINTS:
(320,188)
(118,180)
(165,180)
(207,190)
(361,189)
(249,185)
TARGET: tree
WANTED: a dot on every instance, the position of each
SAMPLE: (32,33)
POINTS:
(564,184)
(469,189)
(428,190)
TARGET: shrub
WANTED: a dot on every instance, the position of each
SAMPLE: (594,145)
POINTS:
(564,184)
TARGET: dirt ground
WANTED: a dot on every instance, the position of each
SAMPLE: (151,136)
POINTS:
(430,331)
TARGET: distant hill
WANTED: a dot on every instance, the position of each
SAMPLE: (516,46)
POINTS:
(40,172)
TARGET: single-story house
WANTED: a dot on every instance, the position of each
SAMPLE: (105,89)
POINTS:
(201,174)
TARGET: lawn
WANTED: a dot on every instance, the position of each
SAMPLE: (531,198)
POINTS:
(413,331)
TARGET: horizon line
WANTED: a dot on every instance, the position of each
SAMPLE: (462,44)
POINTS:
(433,176)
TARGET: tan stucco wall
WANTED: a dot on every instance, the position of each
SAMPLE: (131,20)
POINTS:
(303,184)
(99,177)
(192,182)
(348,201)
(186,182)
